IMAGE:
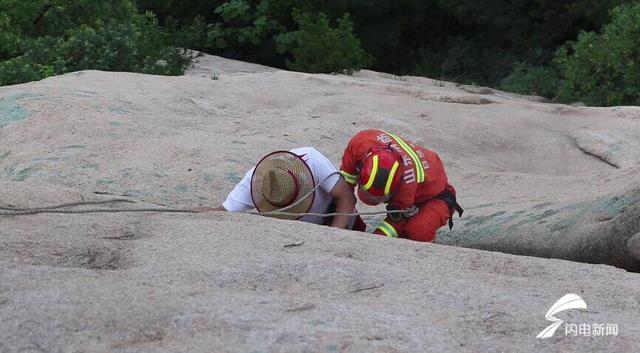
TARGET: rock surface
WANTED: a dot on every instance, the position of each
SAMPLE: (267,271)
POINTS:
(536,179)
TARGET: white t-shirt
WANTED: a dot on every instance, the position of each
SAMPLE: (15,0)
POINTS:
(239,199)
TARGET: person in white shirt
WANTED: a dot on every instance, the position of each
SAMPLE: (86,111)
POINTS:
(284,178)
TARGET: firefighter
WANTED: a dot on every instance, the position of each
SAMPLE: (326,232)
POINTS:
(386,168)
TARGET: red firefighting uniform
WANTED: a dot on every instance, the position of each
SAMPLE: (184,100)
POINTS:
(423,184)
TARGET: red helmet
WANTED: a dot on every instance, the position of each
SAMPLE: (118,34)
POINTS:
(380,176)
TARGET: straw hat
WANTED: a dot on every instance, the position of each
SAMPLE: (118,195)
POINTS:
(280,179)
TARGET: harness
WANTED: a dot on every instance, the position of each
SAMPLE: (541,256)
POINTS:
(450,198)
(446,196)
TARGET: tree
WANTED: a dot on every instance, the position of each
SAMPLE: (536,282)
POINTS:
(41,38)
(316,47)
(604,68)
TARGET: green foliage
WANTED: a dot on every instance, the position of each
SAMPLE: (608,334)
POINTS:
(18,70)
(239,30)
(316,47)
(604,69)
(501,33)
(463,40)
(184,11)
(465,62)
(235,12)
(136,46)
(280,33)
(39,18)
(513,43)
(532,80)
(241,25)
(51,38)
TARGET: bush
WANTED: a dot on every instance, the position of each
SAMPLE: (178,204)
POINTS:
(242,30)
(532,80)
(138,46)
(19,70)
(318,48)
(125,42)
(604,69)
(280,33)
(9,37)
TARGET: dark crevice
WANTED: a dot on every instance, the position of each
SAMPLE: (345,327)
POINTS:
(596,156)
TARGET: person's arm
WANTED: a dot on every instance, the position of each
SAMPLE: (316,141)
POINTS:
(238,200)
(332,185)
(345,200)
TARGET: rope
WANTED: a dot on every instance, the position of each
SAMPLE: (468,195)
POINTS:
(70,204)
(324,215)
(94,210)
(62,208)
(173,210)
(56,209)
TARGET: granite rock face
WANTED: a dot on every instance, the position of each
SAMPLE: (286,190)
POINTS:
(550,181)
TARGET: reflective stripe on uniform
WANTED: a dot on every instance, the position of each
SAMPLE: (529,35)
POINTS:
(349,178)
(388,229)
(414,156)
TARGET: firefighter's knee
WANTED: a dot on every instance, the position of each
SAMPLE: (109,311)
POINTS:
(423,230)
(423,226)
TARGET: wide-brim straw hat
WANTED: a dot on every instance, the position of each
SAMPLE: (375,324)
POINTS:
(280,179)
